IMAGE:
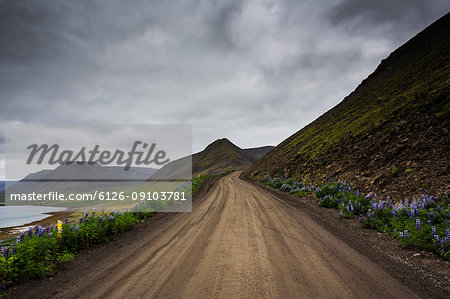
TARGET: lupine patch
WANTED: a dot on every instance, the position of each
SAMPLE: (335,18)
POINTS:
(422,222)
(39,251)
(287,185)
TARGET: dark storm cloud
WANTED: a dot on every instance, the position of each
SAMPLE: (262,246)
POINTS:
(220,22)
(252,71)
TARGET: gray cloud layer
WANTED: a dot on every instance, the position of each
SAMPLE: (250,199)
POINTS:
(252,71)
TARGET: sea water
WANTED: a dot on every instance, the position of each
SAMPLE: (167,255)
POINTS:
(21,215)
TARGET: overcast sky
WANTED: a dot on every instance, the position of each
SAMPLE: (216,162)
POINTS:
(252,71)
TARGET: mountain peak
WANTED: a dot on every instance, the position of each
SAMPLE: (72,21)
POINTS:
(218,156)
(221,142)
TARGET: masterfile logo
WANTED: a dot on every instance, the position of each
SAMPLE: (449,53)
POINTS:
(54,156)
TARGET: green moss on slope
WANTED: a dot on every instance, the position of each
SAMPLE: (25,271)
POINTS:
(395,117)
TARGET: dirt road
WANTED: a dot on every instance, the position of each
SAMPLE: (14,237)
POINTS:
(240,241)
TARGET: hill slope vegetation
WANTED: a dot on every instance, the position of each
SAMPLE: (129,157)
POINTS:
(217,157)
(389,135)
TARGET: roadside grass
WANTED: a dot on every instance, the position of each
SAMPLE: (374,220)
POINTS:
(198,180)
(423,222)
(40,251)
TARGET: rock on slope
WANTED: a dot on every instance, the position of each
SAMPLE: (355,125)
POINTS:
(390,135)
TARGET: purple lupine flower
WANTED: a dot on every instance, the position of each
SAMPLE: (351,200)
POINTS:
(405,233)
(30,231)
(433,230)
(417,224)
(361,218)
(100,219)
(80,220)
(6,251)
(111,218)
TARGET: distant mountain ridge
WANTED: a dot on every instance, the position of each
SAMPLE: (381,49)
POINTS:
(90,171)
(217,157)
(390,135)
(2,188)
(80,177)
(220,155)
(258,152)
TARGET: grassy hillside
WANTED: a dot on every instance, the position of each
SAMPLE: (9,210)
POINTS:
(390,134)
(219,156)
